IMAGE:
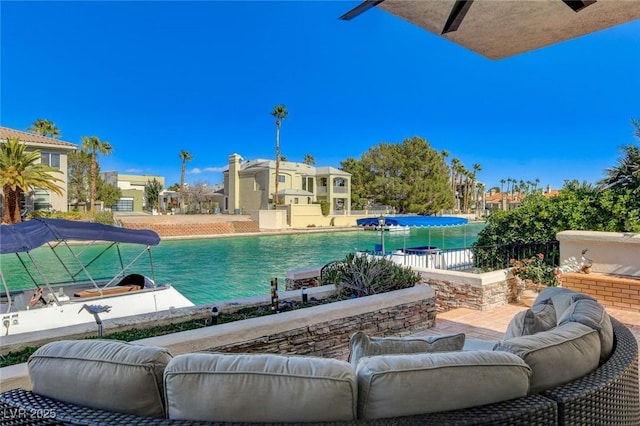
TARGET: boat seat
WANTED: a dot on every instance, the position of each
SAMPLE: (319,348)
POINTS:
(107,291)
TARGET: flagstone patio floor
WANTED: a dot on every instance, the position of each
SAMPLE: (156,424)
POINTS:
(491,324)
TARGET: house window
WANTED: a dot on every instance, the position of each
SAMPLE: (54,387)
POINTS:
(282,178)
(295,200)
(51,159)
(41,199)
(304,183)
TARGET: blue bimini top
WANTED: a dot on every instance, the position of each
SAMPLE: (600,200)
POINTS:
(26,236)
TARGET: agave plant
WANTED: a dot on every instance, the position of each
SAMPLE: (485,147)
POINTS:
(363,275)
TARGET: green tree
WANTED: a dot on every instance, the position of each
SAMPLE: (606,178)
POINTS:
(411,176)
(280,113)
(45,128)
(108,193)
(78,175)
(94,146)
(152,191)
(359,195)
(21,171)
(185,157)
(175,187)
(309,159)
(625,176)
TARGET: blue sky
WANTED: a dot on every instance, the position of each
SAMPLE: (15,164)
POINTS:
(154,78)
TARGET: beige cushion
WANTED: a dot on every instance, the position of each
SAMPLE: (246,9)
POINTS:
(106,374)
(404,385)
(260,387)
(540,317)
(556,356)
(361,345)
(592,314)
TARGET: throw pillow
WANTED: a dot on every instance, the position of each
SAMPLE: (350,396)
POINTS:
(361,345)
(540,317)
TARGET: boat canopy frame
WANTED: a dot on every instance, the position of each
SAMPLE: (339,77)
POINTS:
(26,236)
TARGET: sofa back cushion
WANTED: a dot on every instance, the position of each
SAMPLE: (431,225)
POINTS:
(561,298)
(105,374)
(404,385)
(556,356)
(259,388)
(361,345)
(540,317)
(592,314)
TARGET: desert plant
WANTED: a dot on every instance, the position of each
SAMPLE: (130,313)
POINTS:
(364,275)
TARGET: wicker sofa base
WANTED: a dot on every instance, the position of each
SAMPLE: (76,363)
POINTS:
(608,395)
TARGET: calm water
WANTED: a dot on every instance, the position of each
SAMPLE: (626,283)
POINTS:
(217,269)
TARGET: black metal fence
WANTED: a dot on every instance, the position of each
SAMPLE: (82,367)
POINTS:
(491,258)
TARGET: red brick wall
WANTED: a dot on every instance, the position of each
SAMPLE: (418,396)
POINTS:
(188,229)
(616,291)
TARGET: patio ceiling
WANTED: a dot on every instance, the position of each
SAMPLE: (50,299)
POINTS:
(501,28)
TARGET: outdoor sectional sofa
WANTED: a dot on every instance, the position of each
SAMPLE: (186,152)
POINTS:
(564,361)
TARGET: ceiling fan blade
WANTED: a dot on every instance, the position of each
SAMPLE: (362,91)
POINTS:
(578,5)
(361,8)
(458,12)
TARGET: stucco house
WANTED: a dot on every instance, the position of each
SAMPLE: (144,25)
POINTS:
(53,152)
(250,185)
(133,190)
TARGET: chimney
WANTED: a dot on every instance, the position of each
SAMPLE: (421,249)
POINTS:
(234,183)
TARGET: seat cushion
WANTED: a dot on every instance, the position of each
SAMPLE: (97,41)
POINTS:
(259,388)
(540,317)
(592,314)
(556,356)
(404,385)
(105,374)
(361,345)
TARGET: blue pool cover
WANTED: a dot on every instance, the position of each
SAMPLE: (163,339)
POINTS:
(415,221)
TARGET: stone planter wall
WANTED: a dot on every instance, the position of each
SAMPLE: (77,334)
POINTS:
(466,290)
(319,331)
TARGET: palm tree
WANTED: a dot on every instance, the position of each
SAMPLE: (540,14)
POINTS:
(93,145)
(309,159)
(280,113)
(185,156)
(455,169)
(626,175)
(20,172)
(45,128)
(476,168)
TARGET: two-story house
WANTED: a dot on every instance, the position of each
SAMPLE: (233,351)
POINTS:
(250,185)
(53,152)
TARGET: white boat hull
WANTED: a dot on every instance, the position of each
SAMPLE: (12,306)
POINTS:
(71,312)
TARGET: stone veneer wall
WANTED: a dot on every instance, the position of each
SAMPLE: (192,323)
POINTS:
(454,289)
(615,291)
(466,290)
(319,331)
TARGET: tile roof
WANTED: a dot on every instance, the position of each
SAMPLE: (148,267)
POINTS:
(31,138)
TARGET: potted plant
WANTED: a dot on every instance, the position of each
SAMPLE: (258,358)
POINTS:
(529,276)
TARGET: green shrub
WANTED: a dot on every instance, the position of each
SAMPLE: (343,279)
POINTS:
(104,217)
(325,206)
(364,275)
